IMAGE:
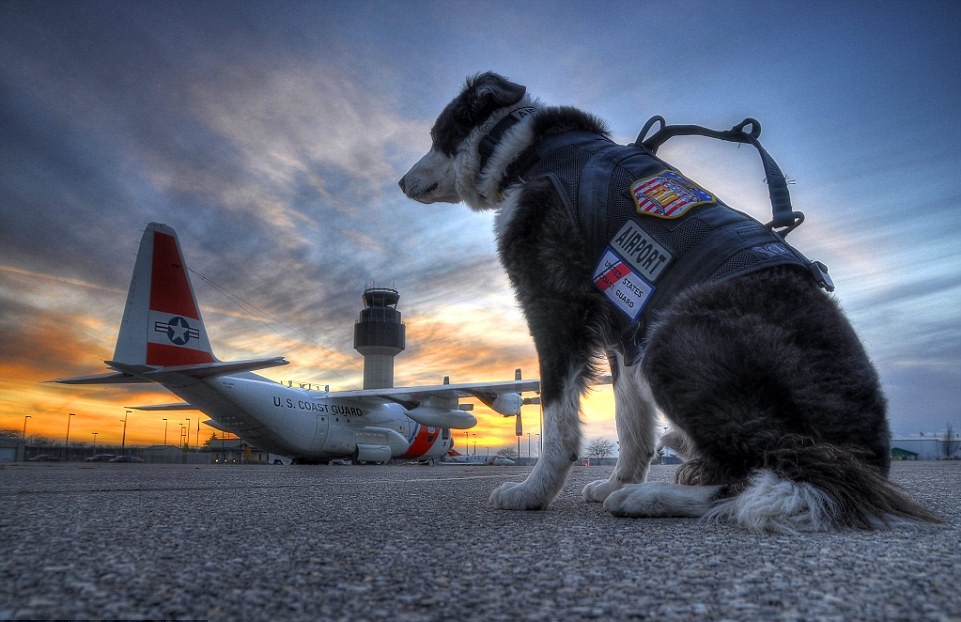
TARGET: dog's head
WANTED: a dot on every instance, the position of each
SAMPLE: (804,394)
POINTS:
(458,129)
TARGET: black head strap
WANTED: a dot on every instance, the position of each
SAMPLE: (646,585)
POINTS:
(490,141)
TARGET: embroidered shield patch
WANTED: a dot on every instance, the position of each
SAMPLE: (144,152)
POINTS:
(668,195)
(626,289)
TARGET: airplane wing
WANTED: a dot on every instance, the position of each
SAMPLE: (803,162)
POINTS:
(411,396)
(486,392)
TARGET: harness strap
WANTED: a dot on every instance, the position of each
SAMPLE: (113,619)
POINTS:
(490,140)
(785,219)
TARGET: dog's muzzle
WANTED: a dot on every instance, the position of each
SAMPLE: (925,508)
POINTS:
(426,191)
(431,180)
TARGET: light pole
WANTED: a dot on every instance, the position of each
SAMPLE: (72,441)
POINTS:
(95,442)
(165,431)
(539,448)
(23,437)
(475,444)
(66,441)
(123,439)
(188,435)
(529,446)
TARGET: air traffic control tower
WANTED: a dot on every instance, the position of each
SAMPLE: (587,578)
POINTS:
(379,336)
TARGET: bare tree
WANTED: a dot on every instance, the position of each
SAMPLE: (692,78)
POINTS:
(951,442)
(508,452)
(600,448)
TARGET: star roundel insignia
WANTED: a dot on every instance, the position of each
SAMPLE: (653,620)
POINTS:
(179,331)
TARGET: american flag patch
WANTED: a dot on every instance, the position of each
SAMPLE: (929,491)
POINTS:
(668,195)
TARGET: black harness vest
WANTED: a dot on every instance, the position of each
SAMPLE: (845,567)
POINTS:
(652,231)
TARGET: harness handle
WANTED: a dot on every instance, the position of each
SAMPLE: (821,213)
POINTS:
(785,219)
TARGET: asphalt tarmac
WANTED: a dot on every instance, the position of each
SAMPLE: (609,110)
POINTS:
(409,543)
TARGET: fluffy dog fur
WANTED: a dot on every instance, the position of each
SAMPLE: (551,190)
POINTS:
(769,389)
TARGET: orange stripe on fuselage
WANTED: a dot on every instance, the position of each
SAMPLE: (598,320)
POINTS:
(422,442)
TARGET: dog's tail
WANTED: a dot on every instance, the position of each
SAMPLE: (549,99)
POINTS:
(808,486)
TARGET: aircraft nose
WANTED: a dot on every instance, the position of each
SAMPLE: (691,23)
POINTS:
(402,183)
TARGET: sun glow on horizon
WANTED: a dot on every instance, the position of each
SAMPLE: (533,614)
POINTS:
(28,396)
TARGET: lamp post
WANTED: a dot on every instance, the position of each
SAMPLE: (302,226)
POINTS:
(23,437)
(123,439)
(529,446)
(165,431)
(188,435)
(475,444)
(95,442)
(66,441)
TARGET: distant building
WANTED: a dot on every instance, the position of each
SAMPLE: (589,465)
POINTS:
(925,447)
(10,448)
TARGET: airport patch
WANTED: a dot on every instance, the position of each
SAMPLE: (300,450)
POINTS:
(624,287)
(641,250)
(668,195)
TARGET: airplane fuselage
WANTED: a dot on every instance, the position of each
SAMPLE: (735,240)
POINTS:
(308,426)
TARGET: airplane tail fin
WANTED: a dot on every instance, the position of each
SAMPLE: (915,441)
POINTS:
(161,325)
(162,335)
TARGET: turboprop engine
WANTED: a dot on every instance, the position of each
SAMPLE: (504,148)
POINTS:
(508,404)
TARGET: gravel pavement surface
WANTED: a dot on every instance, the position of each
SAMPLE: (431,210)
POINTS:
(406,543)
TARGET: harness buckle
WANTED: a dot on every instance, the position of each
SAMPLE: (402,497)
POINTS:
(820,272)
(780,228)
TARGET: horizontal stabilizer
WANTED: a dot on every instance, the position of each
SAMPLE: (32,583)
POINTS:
(200,371)
(111,378)
(145,373)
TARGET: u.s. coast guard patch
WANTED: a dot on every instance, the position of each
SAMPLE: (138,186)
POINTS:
(625,288)
(668,195)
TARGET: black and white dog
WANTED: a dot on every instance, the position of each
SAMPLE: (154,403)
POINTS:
(773,399)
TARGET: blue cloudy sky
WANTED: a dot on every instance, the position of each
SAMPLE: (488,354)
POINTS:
(270,135)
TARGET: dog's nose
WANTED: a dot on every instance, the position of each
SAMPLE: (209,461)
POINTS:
(401,183)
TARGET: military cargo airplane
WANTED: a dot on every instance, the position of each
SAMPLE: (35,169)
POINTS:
(163,339)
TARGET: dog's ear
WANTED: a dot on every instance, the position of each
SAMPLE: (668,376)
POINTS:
(482,96)
(496,91)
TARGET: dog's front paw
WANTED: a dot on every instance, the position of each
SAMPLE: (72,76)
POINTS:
(633,501)
(662,499)
(600,490)
(516,496)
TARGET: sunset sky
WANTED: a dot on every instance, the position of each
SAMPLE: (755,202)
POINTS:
(271,135)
